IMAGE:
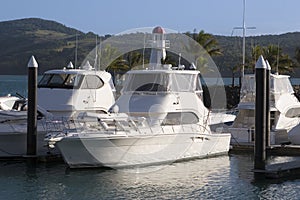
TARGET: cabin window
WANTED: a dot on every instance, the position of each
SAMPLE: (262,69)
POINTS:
(281,85)
(68,81)
(45,79)
(162,82)
(183,82)
(92,82)
(178,118)
(146,82)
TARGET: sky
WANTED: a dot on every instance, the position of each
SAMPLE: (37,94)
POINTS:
(218,17)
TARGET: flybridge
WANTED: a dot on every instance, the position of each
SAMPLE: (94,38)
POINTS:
(68,91)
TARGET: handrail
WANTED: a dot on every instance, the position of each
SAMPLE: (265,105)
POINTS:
(115,126)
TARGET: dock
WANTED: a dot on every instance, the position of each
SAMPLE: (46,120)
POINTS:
(273,150)
(289,169)
(281,170)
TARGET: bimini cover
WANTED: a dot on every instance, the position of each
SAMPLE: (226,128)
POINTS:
(288,104)
(289,107)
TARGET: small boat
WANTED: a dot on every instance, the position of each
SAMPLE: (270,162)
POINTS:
(159,118)
(7,102)
(13,129)
(283,103)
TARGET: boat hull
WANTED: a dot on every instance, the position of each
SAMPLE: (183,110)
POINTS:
(123,151)
(13,139)
(245,136)
(15,144)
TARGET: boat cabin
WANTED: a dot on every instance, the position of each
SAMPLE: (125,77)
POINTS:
(68,91)
(167,95)
(283,105)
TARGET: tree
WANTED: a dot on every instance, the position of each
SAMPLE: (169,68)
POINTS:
(134,59)
(297,55)
(274,55)
(207,41)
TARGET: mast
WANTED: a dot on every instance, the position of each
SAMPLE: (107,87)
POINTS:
(244,41)
(96,54)
(76,46)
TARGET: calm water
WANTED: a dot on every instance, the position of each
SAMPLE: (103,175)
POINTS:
(10,84)
(225,177)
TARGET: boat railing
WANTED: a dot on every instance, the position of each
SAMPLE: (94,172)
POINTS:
(127,126)
(61,124)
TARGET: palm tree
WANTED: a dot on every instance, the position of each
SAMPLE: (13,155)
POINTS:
(207,41)
(279,61)
(134,59)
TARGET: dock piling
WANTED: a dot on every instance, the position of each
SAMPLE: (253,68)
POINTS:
(268,71)
(260,115)
(32,108)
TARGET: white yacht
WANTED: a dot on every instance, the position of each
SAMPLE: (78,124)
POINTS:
(61,95)
(159,118)
(283,103)
(66,92)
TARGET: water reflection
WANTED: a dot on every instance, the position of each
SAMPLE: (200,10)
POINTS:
(224,177)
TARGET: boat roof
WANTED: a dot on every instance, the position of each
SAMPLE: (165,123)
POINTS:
(272,75)
(73,71)
(163,71)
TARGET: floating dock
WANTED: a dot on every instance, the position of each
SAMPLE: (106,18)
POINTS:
(289,169)
(274,150)
(280,170)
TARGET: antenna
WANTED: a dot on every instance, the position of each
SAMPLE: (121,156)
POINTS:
(76,46)
(100,47)
(96,54)
(144,51)
(277,69)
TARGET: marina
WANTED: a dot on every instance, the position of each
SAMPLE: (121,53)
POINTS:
(150,112)
(133,132)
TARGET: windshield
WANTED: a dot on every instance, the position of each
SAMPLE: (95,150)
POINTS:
(69,81)
(162,82)
(278,84)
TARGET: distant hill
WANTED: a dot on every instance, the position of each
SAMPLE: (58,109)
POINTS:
(232,49)
(53,45)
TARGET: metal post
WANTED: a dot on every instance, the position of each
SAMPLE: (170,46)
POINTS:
(268,71)
(32,108)
(260,115)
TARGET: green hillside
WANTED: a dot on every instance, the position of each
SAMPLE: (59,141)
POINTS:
(231,48)
(53,45)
